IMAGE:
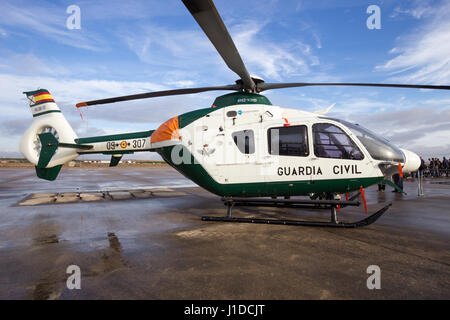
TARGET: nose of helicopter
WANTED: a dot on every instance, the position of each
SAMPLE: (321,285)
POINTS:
(412,161)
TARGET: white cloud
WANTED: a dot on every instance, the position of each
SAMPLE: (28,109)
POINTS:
(115,10)
(276,60)
(177,56)
(71,91)
(141,114)
(423,56)
(422,129)
(50,22)
(30,64)
(129,116)
(190,51)
(418,9)
(162,46)
(181,83)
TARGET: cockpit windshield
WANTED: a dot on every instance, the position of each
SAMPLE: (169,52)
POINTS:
(378,147)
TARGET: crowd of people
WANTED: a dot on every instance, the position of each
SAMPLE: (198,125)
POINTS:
(435,167)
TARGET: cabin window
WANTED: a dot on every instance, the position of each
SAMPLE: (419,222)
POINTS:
(331,141)
(245,141)
(288,141)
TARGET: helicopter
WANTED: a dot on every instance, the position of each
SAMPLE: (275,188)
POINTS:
(242,148)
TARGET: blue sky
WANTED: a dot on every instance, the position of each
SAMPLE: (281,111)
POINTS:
(126,47)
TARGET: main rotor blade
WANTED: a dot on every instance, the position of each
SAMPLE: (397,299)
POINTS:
(267,86)
(206,15)
(158,94)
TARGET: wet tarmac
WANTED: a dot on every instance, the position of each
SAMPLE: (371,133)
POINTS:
(157,247)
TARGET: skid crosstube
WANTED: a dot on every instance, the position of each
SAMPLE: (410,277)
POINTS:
(296,203)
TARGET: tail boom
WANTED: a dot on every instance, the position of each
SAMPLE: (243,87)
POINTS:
(50,141)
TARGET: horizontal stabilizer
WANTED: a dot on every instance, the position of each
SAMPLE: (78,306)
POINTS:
(48,173)
(393,185)
(49,146)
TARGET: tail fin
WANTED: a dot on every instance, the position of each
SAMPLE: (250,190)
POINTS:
(49,125)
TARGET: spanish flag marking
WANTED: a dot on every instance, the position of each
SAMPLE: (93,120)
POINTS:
(43,97)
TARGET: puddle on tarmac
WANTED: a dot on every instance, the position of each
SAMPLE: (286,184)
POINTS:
(111,257)
(46,239)
(35,199)
(49,287)
(114,242)
(47,291)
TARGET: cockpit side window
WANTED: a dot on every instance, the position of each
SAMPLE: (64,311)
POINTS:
(331,141)
(245,141)
(378,147)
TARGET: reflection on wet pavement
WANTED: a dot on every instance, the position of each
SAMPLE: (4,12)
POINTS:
(155,246)
(49,288)
(114,242)
(70,197)
(46,239)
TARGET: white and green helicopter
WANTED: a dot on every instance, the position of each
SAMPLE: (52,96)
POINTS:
(242,148)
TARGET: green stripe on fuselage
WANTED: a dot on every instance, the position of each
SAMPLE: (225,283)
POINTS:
(195,172)
(189,117)
(45,112)
(231,99)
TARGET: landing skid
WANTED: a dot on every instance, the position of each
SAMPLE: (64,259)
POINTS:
(294,203)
